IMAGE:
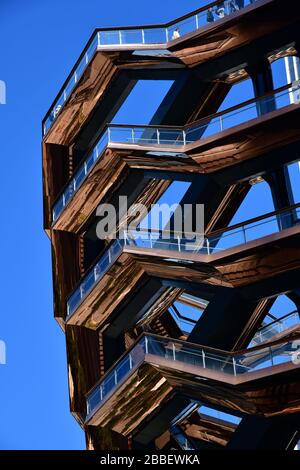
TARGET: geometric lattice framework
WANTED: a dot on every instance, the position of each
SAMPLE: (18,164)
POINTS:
(172,344)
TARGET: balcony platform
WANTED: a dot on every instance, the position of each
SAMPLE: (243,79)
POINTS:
(239,144)
(155,381)
(254,262)
(118,66)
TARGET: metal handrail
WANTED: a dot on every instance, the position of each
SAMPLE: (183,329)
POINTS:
(206,353)
(184,130)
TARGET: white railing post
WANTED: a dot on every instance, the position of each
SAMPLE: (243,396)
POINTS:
(75,76)
(81,291)
(120,36)
(132,135)
(167,35)
(184,137)
(99,39)
(234,365)
(146,345)
(174,351)
(125,237)
(179,243)
(64,199)
(97,152)
(158,136)
(109,256)
(143,36)
(109,134)
(65,95)
(197,22)
(130,362)
(208,246)
(203,359)
(116,377)
(221,123)
(101,392)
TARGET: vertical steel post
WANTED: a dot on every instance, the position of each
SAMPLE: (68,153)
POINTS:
(203,359)
(174,351)
(146,345)
(234,366)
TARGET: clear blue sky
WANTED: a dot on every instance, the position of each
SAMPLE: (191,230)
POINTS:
(40,41)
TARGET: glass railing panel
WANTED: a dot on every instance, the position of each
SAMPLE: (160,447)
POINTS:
(80,70)
(212,127)
(79,177)
(170,137)
(182,28)
(195,133)
(90,52)
(94,276)
(134,36)
(179,352)
(214,243)
(275,328)
(282,353)
(141,36)
(144,136)
(261,229)
(155,35)
(74,301)
(122,135)
(118,374)
(251,111)
(253,360)
(109,38)
(185,353)
(165,241)
(253,231)
(239,116)
(226,240)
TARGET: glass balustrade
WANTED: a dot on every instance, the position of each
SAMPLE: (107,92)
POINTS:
(94,276)
(274,328)
(224,240)
(173,137)
(156,36)
(182,354)
(79,177)
(200,244)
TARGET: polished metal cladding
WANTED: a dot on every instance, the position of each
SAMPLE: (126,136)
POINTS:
(173,343)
